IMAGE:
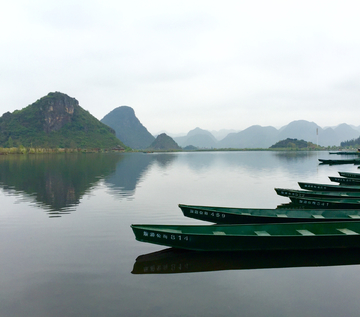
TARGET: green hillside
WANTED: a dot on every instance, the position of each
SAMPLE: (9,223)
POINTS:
(164,143)
(55,120)
(355,143)
(293,144)
(128,128)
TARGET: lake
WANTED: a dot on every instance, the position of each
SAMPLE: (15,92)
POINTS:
(67,249)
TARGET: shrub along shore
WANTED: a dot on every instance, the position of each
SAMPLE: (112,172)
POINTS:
(32,150)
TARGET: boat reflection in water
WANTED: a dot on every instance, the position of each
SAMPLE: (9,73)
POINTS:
(183,261)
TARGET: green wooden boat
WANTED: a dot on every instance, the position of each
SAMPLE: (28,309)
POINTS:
(328,203)
(315,194)
(350,175)
(328,187)
(170,260)
(284,236)
(228,215)
(345,152)
(345,180)
(344,161)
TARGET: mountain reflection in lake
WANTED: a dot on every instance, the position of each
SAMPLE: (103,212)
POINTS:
(88,262)
(58,181)
(131,169)
(55,181)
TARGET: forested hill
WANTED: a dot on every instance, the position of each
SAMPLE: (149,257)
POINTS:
(128,128)
(55,120)
(293,144)
(164,143)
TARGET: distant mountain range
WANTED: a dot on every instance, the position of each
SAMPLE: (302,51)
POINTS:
(197,137)
(132,133)
(57,120)
(263,137)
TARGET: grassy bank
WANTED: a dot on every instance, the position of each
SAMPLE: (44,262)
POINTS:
(32,150)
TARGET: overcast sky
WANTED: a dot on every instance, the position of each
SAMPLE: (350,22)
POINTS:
(186,64)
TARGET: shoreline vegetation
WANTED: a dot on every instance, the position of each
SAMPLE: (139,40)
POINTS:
(32,150)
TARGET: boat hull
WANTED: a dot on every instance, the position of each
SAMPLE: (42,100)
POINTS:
(344,161)
(315,194)
(328,187)
(345,153)
(350,175)
(345,180)
(289,236)
(225,215)
(327,203)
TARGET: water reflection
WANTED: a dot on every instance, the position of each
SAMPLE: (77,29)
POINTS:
(127,174)
(56,182)
(164,160)
(183,261)
(295,155)
(132,168)
(250,160)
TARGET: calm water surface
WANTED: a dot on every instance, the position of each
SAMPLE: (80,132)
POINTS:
(66,247)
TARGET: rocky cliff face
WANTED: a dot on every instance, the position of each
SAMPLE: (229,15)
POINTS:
(58,110)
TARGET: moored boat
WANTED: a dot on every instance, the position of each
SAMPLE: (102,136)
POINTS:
(345,180)
(284,236)
(316,194)
(350,175)
(345,152)
(328,187)
(328,203)
(344,161)
(229,215)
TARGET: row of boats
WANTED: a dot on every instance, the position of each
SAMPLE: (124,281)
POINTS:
(355,160)
(319,216)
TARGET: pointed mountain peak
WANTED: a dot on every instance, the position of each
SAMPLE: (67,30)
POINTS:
(55,120)
(128,127)
(164,143)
